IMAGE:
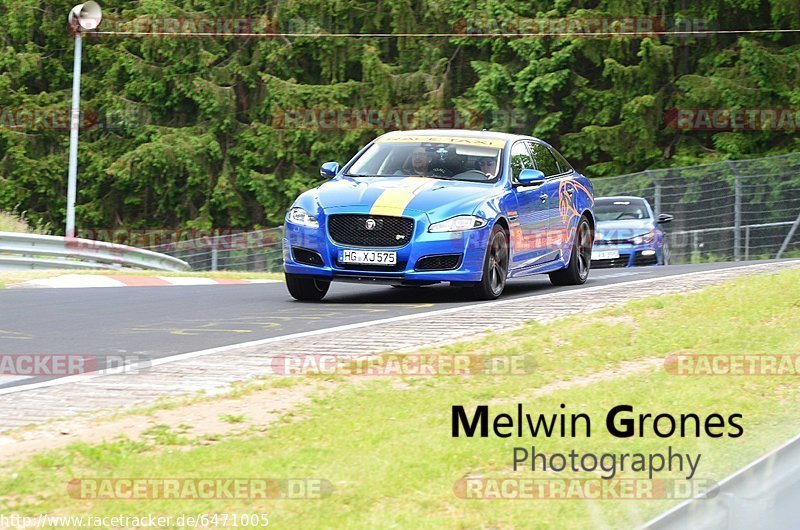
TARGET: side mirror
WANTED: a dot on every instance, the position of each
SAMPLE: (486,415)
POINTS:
(665,218)
(531,177)
(329,169)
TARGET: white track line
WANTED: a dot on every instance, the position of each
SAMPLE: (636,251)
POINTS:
(73,281)
(303,334)
(86,281)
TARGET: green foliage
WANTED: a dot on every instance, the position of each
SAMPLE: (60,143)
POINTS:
(193,132)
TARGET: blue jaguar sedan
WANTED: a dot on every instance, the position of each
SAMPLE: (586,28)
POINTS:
(414,208)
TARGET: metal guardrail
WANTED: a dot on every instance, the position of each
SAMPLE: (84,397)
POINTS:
(35,251)
(764,494)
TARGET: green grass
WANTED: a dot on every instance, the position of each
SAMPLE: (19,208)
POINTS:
(387,449)
(11,222)
(233,418)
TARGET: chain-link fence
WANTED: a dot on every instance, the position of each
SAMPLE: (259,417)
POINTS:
(258,251)
(732,210)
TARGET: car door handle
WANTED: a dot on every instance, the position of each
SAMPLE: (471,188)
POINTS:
(543,196)
(570,190)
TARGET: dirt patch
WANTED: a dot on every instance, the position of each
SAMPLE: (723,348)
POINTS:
(204,420)
(624,369)
(618,320)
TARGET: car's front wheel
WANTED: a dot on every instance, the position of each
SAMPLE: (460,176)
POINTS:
(495,267)
(306,289)
(580,258)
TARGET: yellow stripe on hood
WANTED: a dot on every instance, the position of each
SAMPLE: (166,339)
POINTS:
(395,199)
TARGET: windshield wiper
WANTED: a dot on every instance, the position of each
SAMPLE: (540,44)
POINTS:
(444,177)
(357,175)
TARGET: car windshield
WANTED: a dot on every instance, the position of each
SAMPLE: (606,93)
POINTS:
(465,159)
(620,209)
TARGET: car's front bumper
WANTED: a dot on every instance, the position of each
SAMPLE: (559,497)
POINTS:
(629,256)
(469,246)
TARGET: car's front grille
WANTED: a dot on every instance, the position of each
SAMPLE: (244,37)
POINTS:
(443,262)
(621,261)
(370,230)
(641,260)
(309,257)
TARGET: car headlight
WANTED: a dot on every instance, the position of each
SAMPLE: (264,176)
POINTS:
(301,217)
(644,238)
(459,223)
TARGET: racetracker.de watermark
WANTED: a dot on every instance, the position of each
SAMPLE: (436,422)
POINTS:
(732,364)
(167,27)
(521,239)
(176,238)
(581,27)
(729,119)
(199,488)
(46,119)
(581,489)
(424,365)
(395,118)
(55,364)
(40,119)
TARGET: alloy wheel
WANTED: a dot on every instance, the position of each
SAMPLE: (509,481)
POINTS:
(498,263)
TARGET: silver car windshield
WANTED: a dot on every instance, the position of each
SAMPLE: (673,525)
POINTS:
(620,210)
(452,161)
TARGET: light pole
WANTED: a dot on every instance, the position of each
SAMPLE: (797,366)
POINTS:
(82,17)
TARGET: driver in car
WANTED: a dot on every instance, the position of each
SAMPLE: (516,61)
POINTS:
(420,164)
(488,165)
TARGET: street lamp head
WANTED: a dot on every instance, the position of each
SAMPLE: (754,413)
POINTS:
(86,16)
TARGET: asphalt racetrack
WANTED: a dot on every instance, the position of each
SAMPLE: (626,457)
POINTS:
(155,322)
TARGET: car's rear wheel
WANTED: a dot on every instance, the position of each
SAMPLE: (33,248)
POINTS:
(580,260)
(495,267)
(306,289)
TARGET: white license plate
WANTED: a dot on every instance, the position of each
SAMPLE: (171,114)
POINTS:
(605,254)
(368,257)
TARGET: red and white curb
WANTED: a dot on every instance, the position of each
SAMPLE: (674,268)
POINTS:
(75,281)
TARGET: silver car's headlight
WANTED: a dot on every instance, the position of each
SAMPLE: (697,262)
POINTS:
(301,217)
(459,223)
(644,238)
